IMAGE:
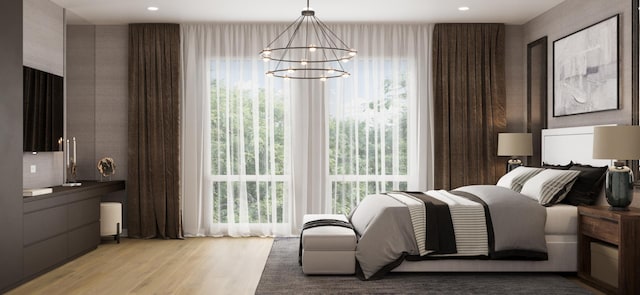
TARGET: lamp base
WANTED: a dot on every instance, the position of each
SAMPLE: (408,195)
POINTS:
(513,163)
(619,188)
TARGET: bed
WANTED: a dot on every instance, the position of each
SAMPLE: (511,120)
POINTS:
(559,146)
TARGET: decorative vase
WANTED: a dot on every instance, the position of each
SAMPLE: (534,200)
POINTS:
(107,167)
(619,188)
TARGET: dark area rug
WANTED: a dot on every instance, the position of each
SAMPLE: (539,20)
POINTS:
(283,275)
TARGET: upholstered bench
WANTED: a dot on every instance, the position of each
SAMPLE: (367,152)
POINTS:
(328,249)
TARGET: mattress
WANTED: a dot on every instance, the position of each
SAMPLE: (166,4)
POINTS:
(562,219)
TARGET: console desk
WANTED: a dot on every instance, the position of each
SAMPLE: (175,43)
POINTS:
(62,225)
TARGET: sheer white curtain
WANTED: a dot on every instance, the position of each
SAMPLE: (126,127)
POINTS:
(259,153)
(236,135)
(379,119)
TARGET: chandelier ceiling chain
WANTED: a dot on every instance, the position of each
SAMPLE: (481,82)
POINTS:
(318,54)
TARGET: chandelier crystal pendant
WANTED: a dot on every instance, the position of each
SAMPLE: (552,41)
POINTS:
(307,49)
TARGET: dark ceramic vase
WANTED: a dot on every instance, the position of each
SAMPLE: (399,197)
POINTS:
(619,188)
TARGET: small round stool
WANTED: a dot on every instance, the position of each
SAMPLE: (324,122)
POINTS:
(111,220)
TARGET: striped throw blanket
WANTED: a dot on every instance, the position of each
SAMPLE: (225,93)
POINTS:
(469,229)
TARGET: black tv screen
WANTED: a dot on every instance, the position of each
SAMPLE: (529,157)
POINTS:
(43,111)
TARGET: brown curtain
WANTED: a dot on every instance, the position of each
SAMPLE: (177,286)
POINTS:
(154,123)
(469,103)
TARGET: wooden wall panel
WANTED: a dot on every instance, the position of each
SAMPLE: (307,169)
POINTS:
(11,142)
(97,67)
(81,102)
(112,101)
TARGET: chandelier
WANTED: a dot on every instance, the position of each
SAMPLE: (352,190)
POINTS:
(307,49)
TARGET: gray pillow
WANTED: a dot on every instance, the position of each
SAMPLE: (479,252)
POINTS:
(550,186)
(516,178)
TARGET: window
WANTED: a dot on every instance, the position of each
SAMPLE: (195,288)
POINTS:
(249,157)
(367,126)
(259,153)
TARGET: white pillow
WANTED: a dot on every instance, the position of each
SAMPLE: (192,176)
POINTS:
(550,186)
(516,178)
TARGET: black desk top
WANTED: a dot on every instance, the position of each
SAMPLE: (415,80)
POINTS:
(87,185)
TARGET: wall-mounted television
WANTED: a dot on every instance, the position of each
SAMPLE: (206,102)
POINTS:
(43,111)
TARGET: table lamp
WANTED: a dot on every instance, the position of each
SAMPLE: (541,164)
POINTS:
(617,143)
(514,145)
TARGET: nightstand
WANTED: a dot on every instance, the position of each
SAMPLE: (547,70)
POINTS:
(620,229)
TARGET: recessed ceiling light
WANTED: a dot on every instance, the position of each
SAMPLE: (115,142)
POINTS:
(463,8)
(152,8)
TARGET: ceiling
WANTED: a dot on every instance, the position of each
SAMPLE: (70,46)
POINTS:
(109,12)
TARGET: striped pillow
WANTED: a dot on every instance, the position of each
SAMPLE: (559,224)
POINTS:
(515,179)
(550,186)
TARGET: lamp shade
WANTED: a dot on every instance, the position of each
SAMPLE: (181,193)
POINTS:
(616,142)
(515,144)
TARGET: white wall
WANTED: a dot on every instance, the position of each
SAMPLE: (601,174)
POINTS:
(43,31)
(49,169)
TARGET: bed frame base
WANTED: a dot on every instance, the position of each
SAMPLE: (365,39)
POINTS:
(562,258)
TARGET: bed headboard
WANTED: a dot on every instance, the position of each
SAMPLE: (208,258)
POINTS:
(562,145)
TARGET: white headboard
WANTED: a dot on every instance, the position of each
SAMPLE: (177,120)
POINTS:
(562,145)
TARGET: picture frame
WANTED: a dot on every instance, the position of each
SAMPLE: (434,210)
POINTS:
(586,69)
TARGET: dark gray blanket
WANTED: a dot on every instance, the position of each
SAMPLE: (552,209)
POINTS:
(517,220)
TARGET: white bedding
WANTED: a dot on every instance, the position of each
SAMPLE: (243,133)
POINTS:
(562,219)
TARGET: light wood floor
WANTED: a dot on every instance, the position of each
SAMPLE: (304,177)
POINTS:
(191,266)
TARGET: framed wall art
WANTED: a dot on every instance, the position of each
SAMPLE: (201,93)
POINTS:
(586,70)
